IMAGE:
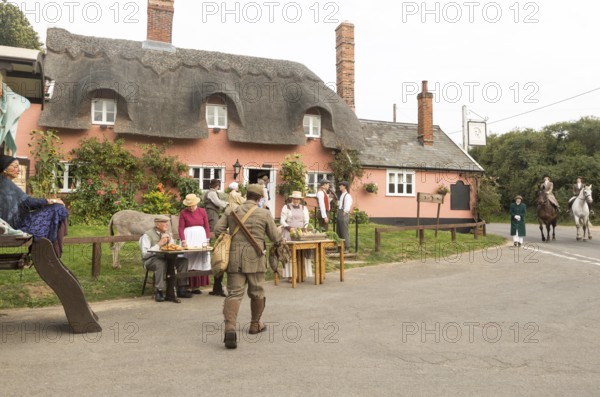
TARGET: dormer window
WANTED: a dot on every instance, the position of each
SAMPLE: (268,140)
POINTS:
(312,125)
(216,112)
(104,111)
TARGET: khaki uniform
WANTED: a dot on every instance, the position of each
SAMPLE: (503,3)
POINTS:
(245,266)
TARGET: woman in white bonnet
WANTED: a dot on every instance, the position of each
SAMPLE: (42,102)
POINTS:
(235,197)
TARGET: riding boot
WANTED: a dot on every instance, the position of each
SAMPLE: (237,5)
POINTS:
(257,306)
(230,312)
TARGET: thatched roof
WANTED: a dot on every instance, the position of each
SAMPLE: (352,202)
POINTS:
(396,145)
(163,93)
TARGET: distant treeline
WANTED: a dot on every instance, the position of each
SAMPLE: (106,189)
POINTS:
(519,159)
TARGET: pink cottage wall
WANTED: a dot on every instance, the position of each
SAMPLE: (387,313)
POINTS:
(381,205)
(216,151)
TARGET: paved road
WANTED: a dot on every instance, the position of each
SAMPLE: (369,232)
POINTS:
(487,323)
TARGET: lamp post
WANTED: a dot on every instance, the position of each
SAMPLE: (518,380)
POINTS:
(236,169)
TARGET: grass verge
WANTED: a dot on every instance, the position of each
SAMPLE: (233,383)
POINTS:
(24,288)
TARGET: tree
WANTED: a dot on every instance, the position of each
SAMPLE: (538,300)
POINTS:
(16,30)
(519,159)
(346,166)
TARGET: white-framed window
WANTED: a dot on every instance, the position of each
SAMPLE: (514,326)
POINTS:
(104,111)
(400,183)
(216,116)
(204,174)
(312,182)
(312,125)
(65,178)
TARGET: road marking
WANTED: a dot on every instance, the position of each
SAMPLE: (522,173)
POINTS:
(590,260)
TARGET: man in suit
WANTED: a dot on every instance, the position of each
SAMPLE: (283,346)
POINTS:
(246,267)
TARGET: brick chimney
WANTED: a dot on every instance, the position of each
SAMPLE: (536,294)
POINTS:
(344,50)
(160,20)
(425,127)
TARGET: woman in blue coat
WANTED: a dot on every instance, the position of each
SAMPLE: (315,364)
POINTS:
(518,211)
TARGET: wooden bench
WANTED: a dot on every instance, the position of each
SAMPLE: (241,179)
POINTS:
(65,285)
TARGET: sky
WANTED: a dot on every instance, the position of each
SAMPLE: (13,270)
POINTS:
(516,64)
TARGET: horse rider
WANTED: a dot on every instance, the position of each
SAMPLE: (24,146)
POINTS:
(548,186)
(577,187)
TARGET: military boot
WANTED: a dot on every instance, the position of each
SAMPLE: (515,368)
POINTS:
(230,312)
(257,306)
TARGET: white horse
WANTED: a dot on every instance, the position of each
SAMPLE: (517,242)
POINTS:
(581,212)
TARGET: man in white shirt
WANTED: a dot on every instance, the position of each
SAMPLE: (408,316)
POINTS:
(343,215)
(323,201)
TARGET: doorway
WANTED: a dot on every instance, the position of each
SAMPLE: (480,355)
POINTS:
(252,175)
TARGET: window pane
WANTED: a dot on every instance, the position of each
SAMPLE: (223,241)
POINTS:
(196,173)
(110,106)
(409,189)
(400,189)
(217,173)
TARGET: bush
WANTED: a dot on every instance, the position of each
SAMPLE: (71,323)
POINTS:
(363,217)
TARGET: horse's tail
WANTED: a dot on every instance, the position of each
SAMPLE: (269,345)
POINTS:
(110,227)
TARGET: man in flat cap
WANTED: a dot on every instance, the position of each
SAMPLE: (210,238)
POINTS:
(343,214)
(324,203)
(246,267)
(154,239)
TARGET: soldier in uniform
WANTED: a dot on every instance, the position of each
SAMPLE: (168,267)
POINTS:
(246,268)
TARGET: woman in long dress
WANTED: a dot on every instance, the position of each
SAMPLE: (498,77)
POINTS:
(194,231)
(40,217)
(295,216)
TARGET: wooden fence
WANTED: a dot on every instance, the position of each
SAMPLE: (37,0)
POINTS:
(421,230)
(97,247)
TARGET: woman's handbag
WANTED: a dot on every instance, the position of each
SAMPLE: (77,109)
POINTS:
(220,255)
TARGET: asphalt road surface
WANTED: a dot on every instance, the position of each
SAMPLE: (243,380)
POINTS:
(498,322)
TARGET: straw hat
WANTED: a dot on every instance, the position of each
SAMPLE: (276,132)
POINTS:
(296,195)
(191,200)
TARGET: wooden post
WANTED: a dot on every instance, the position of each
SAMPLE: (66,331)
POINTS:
(437,224)
(418,214)
(453,233)
(96,259)
(421,236)
(377,240)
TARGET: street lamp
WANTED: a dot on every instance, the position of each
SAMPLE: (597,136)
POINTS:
(236,169)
